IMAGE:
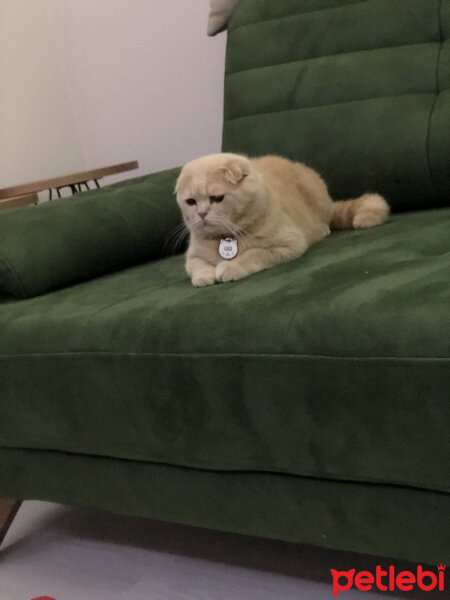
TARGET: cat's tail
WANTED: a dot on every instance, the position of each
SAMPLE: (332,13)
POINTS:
(366,211)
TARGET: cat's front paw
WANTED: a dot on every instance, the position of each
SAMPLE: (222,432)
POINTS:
(230,271)
(204,277)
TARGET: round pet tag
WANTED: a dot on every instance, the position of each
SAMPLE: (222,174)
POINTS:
(228,248)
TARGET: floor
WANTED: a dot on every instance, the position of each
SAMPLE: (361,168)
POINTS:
(71,554)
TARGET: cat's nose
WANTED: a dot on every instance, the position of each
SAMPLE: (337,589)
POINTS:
(202,214)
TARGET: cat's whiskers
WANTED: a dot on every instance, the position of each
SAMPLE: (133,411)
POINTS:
(232,229)
(173,233)
(175,238)
(235,230)
(196,223)
(241,231)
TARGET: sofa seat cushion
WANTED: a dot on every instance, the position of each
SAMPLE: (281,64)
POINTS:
(333,366)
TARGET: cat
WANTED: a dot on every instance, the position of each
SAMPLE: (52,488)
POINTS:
(249,214)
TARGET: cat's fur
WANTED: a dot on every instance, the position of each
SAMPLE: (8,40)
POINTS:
(274,207)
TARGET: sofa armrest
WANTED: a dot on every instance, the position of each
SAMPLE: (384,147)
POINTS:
(66,241)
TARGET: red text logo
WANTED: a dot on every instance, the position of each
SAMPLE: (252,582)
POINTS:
(391,580)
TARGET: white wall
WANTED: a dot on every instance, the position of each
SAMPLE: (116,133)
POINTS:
(118,80)
(38,135)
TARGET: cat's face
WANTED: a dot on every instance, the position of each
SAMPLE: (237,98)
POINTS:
(216,193)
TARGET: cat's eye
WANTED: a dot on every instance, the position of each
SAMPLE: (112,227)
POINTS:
(191,201)
(216,198)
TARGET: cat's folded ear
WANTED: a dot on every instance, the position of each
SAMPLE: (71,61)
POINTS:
(178,184)
(236,169)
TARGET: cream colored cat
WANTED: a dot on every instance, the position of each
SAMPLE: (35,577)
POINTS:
(270,210)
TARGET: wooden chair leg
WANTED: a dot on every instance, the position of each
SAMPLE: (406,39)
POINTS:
(8,510)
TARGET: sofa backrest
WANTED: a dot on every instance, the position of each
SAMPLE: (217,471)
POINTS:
(357,89)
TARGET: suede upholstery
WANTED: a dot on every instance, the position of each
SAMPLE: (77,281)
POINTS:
(389,521)
(86,236)
(358,90)
(270,385)
(308,402)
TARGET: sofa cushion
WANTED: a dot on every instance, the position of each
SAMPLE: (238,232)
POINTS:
(359,90)
(334,366)
(55,244)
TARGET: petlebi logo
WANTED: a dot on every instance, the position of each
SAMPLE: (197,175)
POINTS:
(389,580)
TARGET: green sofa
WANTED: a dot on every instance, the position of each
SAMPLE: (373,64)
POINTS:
(309,402)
